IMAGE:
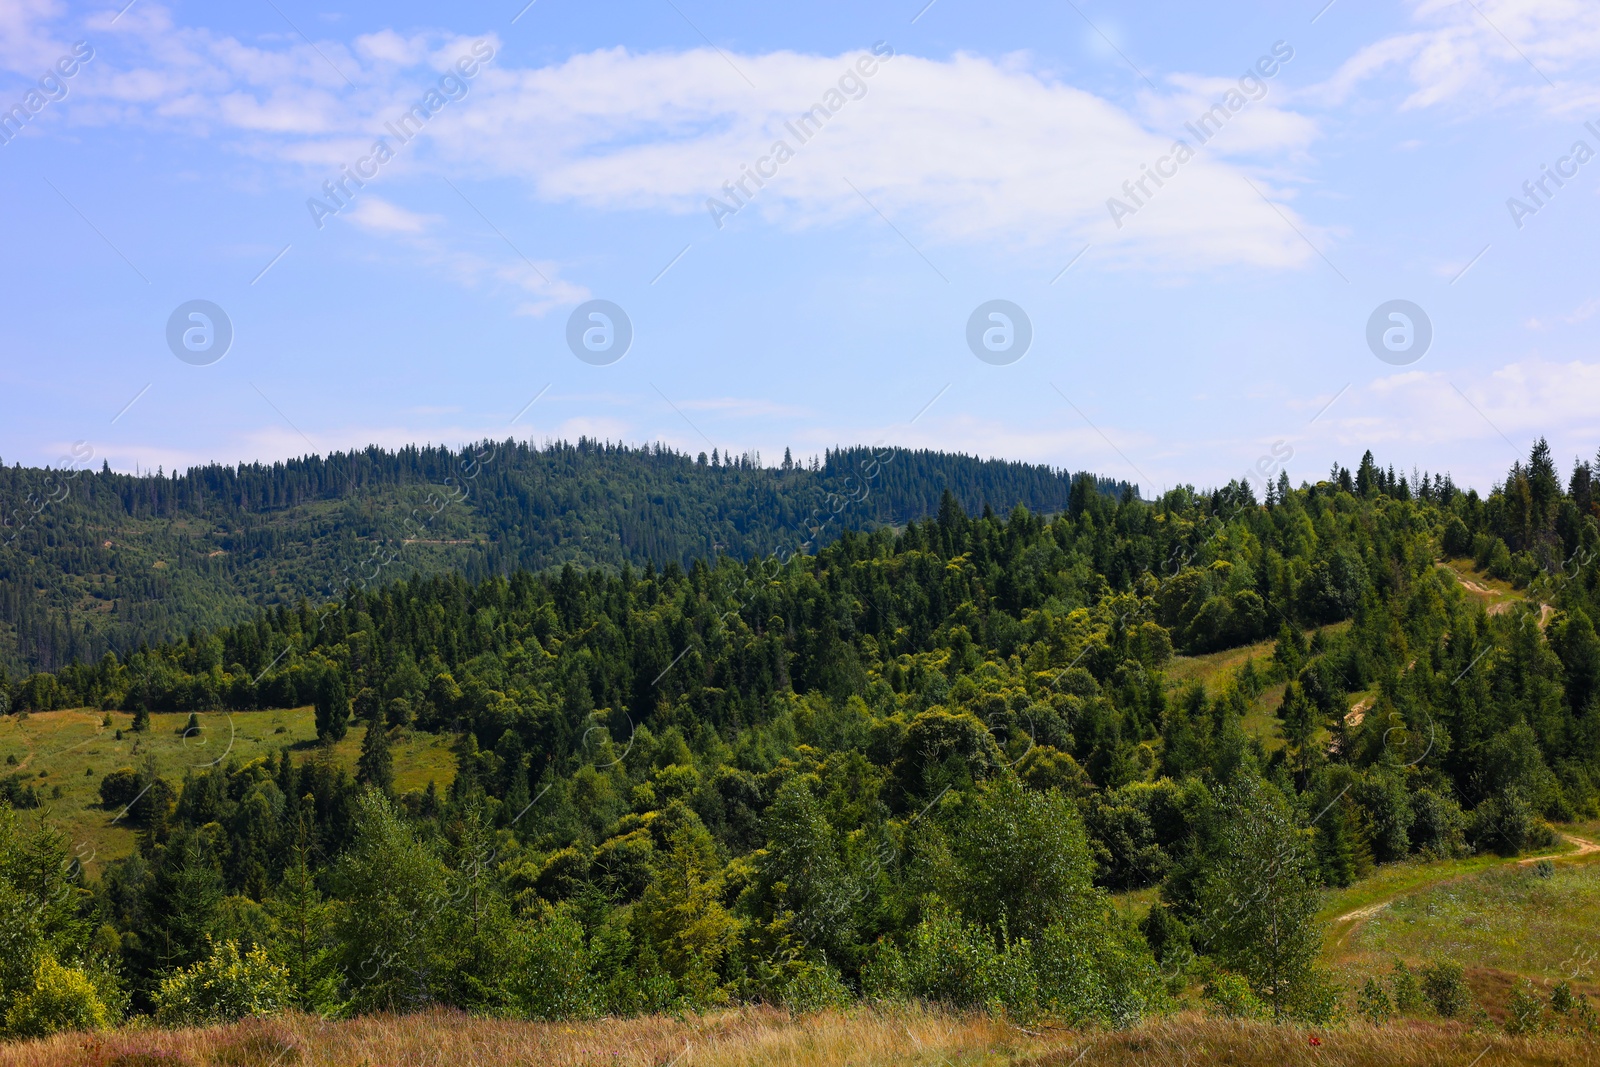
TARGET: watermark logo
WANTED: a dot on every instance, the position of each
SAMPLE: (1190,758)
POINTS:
(599,332)
(851,85)
(1399,332)
(51,87)
(999,332)
(452,85)
(199,332)
(1252,86)
(1538,190)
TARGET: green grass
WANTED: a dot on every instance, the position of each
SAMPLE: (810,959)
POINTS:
(1209,668)
(1497,917)
(1213,668)
(1490,591)
(72,750)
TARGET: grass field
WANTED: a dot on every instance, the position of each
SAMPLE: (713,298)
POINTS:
(765,1037)
(1508,919)
(70,751)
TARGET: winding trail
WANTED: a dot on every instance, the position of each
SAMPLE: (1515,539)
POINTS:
(1355,918)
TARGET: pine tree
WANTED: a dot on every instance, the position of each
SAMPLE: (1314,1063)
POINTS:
(1335,851)
(304,922)
(333,708)
(376,766)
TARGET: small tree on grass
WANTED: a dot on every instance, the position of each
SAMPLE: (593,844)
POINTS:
(1259,894)
(1445,985)
(376,766)
(333,707)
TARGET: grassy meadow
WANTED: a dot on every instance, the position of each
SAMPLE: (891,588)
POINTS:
(64,754)
(765,1037)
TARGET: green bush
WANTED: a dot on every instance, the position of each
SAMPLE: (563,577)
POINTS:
(811,987)
(956,963)
(1445,985)
(1407,991)
(119,788)
(61,998)
(1373,1003)
(223,988)
(1524,1012)
(553,980)
(1097,969)
(1229,995)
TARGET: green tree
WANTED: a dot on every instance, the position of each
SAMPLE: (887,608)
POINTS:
(805,889)
(376,765)
(1017,859)
(1259,894)
(304,922)
(681,912)
(393,940)
(333,707)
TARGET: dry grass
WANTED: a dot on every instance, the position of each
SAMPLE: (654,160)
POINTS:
(750,1036)
(763,1037)
(1188,1039)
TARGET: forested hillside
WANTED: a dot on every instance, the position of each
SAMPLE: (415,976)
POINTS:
(95,561)
(909,765)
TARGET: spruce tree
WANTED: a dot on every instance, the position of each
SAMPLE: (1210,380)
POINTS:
(333,708)
(304,922)
(376,766)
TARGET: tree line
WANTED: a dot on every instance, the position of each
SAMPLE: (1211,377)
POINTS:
(911,764)
(94,561)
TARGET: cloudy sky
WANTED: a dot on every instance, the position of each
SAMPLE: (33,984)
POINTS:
(1202,215)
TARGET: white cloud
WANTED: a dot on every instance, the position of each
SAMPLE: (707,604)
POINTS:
(374,213)
(26,47)
(1488,53)
(964,150)
(1523,399)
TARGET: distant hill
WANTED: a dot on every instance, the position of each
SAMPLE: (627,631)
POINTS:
(92,561)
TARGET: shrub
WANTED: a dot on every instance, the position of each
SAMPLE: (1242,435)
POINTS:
(956,963)
(812,987)
(1373,1003)
(1407,991)
(553,981)
(1445,985)
(1097,968)
(223,988)
(1229,995)
(119,788)
(62,998)
(1544,869)
(1524,1013)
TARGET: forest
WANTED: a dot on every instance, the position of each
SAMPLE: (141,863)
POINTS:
(918,761)
(95,561)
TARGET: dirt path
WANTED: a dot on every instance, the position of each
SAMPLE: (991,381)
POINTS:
(1585,847)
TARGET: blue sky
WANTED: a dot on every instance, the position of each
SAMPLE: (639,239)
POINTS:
(1184,332)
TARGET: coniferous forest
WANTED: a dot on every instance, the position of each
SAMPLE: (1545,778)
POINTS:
(96,561)
(921,760)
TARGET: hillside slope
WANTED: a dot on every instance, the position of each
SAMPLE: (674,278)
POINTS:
(92,561)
